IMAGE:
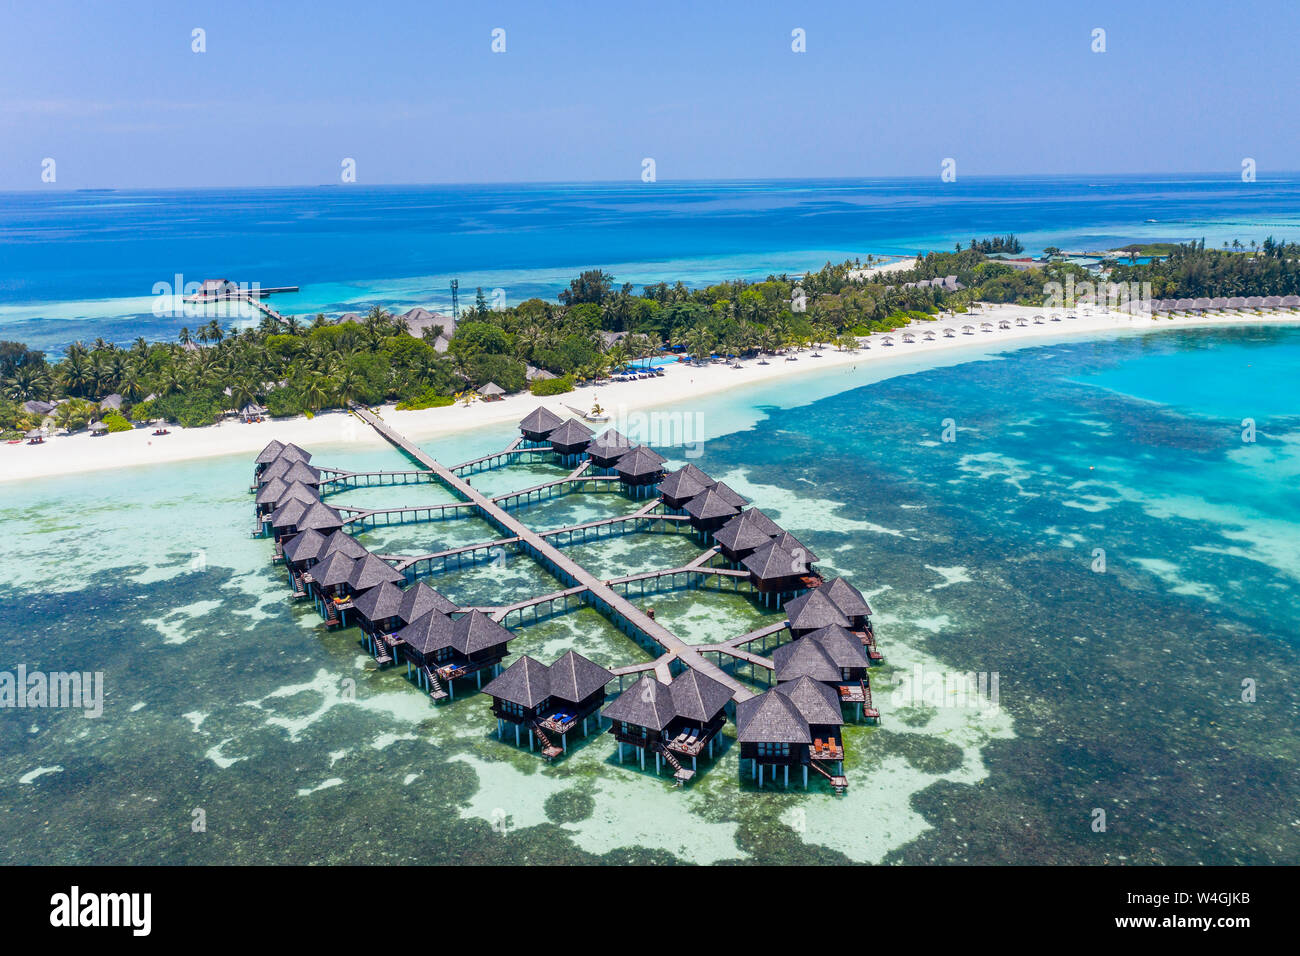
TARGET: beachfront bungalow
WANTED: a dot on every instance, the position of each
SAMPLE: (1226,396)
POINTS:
(570,439)
(548,700)
(680,486)
(777,573)
(710,510)
(640,470)
(538,424)
(744,534)
(492,392)
(608,447)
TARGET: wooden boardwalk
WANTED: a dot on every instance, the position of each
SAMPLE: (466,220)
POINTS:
(603,597)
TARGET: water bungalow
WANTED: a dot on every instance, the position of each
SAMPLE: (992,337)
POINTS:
(328,583)
(275,450)
(812,611)
(723,491)
(710,510)
(370,572)
(744,534)
(320,517)
(640,470)
(682,718)
(548,700)
(796,724)
(832,656)
(570,439)
(680,486)
(537,425)
(778,573)
(796,547)
(608,447)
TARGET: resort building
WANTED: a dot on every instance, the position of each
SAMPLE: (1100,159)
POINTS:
(744,534)
(537,425)
(607,448)
(710,510)
(680,486)
(640,470)
(796,724)
(570,439)
(548,701)
(444,650)
(832,656)
(778,573)
(668,720)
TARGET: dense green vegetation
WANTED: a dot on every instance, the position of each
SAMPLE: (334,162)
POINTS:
(596,326)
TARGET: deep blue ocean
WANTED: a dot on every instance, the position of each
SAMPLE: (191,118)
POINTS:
(78,265)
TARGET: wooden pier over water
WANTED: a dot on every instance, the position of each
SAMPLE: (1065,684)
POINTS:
(600,594)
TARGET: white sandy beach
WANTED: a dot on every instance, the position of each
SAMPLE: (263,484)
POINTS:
(72,454)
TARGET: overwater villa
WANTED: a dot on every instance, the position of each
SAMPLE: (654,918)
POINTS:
(547,702)
(607,448)
(821,651)
(796,724)
(640,470)
(744,534)
(680,719)
(537,425)
(680,486)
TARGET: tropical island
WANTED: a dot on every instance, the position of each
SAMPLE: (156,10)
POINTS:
(596,327)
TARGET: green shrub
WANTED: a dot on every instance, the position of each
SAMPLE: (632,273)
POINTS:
(116,422)
(552,386)
(429,398)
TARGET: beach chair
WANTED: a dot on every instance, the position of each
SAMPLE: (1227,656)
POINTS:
(817,746)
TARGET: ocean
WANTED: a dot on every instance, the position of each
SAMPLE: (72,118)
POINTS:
(1111,536)
(83,265)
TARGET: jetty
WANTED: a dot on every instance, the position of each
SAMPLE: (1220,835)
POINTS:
(678,703)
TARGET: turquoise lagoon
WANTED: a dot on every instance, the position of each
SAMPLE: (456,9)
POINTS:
(1121,682)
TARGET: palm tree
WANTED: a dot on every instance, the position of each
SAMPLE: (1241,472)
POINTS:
(184,336)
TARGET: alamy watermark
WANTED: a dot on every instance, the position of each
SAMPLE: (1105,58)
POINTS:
(53,689)
(663,429)
(939,688)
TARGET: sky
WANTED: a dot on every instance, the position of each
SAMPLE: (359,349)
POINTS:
(412,92)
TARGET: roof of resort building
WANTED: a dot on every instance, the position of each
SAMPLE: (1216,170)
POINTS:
(612,438)
(572,432)
(420,598)
(98,427)
(700,476)
(300,471)
(540,421)
(292,452)
(647,703)
(681,484)
(816,703)
(304,546)
(773,561)
(270,453)
(113,401)
(804,658)
(477,631)
(333,570)
(427,633)
(288,513)
(792,544)
(746,531)
(697,697)
(270,492)
(729,495)
(574,678)
(380,602)
(371,571)
(813,610)
(297,490)
(771,718)
(709,504)
(526,682)
(846,597)
(342,541)
(321,517)
(491,388)
(840,646)
(640,461)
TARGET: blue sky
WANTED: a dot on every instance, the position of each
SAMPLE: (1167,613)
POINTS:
(585,91)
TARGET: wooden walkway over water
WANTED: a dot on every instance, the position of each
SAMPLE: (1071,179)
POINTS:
(625,615)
